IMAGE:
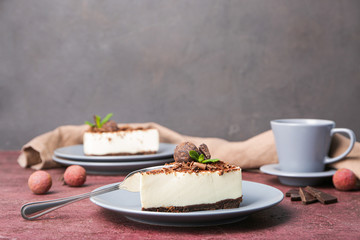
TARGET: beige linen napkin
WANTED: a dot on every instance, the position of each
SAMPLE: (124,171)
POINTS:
(252,153)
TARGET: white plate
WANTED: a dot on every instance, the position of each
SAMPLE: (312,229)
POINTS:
(256,197)
(76,152)
(297,178)
(111,168)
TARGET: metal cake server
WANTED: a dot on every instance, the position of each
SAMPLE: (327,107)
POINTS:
(33,210)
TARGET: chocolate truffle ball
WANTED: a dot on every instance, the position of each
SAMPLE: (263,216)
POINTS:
(181,153)
(110,126)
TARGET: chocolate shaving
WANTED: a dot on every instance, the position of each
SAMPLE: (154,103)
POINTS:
(210,166)
(195,167)
(202,166)
(176,166)
(111,128)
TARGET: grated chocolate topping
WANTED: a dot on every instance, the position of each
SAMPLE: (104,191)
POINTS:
(125,128)
(195,167)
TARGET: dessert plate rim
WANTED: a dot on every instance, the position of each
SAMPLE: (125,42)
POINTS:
(111,168)
(257,196)
(75,152)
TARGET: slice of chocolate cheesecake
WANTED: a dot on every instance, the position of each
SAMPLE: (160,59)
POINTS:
(192,183)
(110,139)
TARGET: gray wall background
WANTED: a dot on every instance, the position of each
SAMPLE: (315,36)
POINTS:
(205,67)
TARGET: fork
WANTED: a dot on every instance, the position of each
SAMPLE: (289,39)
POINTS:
(33,210)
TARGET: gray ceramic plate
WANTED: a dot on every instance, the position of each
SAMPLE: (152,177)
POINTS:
(256,197)
(295,178)
(111,168)
(76,152)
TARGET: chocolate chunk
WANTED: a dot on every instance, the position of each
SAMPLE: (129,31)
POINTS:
(205,150)
(293,190)
(306,197)
(324,198)
(181,153)
(295,197)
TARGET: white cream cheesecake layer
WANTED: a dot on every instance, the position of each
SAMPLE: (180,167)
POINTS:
(121,142)
(182,189)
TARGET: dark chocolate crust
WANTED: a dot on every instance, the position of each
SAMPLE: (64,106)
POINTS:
(125,154)
(223,204)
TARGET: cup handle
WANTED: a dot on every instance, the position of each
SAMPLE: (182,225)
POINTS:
(352,142)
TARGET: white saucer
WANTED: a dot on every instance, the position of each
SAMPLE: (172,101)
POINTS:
(297,178)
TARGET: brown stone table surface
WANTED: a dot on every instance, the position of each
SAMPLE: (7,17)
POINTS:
(85,220)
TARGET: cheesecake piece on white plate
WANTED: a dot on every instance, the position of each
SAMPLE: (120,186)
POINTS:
(191,186)
(121,142)
(179,190)
(109,139)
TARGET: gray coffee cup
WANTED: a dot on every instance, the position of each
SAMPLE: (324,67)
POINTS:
(302,145)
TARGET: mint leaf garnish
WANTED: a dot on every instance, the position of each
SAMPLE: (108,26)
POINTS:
(89,123)
(201,158)
(106,119)
(98,122)
(194,155)
(210,160)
